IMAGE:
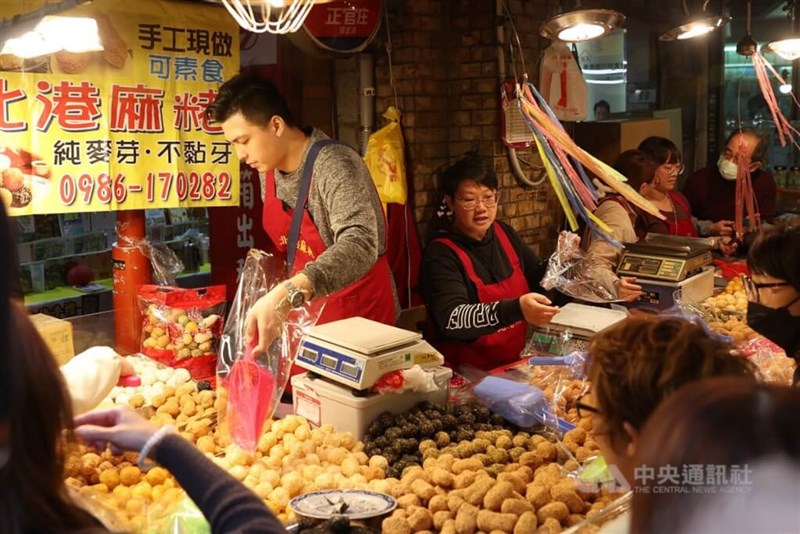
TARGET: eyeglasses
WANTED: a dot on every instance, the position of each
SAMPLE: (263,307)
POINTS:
(470,204)
(584,410)
(673,168)
(752,289)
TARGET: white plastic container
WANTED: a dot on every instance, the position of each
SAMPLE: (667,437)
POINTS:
(321,401)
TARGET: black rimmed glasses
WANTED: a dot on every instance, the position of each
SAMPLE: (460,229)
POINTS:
(585,410)
(753,289)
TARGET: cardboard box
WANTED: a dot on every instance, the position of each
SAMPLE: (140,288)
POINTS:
(608,139)
(57,333)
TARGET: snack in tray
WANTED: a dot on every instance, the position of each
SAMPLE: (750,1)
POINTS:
(182,327)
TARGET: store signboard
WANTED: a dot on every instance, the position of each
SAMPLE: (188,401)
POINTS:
(124,128)
(344,26)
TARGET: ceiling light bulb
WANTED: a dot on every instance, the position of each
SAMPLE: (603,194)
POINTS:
(276,3)
(787,48)
(581,32)
(785,88)
(695,30)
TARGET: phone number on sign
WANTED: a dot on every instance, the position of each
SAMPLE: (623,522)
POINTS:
(104,188)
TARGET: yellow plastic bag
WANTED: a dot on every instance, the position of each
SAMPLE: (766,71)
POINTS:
(386,161)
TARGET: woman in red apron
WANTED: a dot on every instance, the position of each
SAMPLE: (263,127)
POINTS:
(479,279)
(673,205)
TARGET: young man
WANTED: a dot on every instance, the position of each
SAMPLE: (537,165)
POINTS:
(321,210)
(711,191)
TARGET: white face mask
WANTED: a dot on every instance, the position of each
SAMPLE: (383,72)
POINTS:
(727,168)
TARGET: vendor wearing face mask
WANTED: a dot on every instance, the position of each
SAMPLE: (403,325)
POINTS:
(711,191)
(773,289)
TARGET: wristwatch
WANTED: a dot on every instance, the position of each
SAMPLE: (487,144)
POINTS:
(295,295)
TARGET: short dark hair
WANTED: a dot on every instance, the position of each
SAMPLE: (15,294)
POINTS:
(637,167)
(759,152)
(602,103)
(719,421)
(776,253)
(258,99)
(470,167)
(661,149)
(636,363)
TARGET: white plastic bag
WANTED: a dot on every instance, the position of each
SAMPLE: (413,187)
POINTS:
(562,84)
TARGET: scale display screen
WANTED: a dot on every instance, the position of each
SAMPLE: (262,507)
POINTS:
(328,360)
(670,269)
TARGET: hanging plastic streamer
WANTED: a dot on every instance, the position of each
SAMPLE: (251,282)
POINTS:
(746,202)
(564,162)
(785,129)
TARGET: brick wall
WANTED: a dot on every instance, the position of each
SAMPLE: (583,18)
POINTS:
(445,66)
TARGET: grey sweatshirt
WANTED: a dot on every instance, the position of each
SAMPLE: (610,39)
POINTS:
(345,208)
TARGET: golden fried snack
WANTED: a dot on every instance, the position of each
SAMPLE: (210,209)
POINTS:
(115,51)
(10,62)
(72,62)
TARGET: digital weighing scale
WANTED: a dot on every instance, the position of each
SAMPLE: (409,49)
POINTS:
(580,320)
(356,352)
(664,264)
(664,257)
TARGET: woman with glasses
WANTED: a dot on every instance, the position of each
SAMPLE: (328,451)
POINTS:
(773,288)
(632,367)
(662,192)
(480,281)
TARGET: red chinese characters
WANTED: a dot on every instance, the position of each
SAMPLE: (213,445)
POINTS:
(76,107)
(190,112)
(136,109)
(8,97)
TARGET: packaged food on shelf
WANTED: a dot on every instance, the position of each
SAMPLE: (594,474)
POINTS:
(182,327)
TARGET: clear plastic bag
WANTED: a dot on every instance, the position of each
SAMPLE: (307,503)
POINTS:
(250,386)
(166,264)
(572,272)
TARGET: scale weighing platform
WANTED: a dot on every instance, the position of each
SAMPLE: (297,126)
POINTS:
(664,264)
(580,320)
(356,352)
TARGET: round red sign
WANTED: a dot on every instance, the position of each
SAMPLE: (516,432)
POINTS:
(344,26)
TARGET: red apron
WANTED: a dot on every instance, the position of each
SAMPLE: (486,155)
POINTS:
(370,296)
(501,347)
(682,227)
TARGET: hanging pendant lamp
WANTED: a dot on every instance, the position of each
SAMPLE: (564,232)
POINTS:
(788,48)
(696,26)
(581,24)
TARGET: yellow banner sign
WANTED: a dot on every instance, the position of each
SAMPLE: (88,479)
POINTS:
(124,128)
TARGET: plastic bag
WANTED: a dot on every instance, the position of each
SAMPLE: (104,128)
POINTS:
(562,83)
(414,379)
(182,327)
(184,517)
(573,273)
(772,364)
(385,159)
(259,381)
(522,404)
(166,264)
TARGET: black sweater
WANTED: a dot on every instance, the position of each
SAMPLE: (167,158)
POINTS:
(227,504)
(452,298)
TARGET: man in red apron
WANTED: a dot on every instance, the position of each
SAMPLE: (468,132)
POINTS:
(321,211)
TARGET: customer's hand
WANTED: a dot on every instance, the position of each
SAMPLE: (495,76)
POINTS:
(721,228)
(121,427)
(628,290)
(536,308)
